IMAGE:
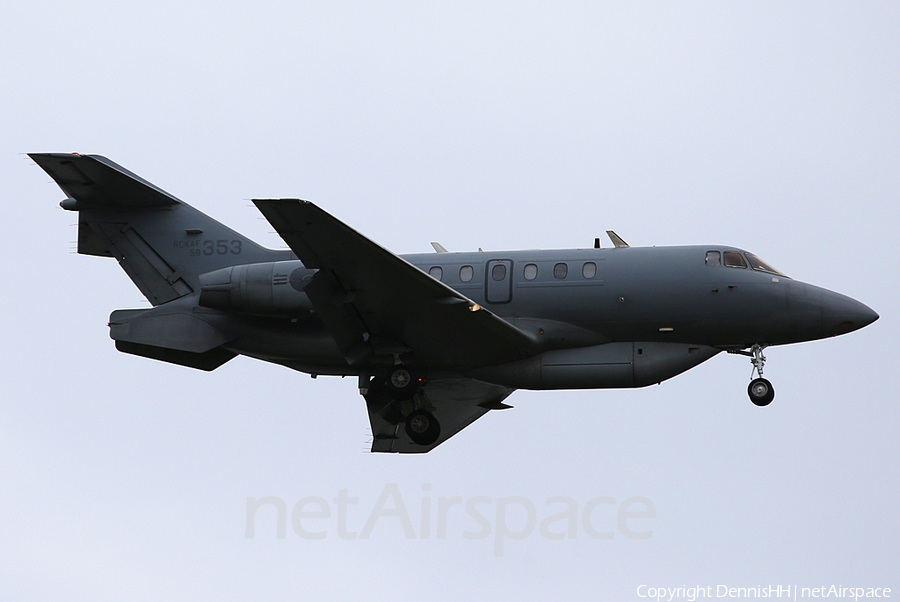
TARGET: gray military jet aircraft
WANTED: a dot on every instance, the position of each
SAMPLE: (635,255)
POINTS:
(437,340)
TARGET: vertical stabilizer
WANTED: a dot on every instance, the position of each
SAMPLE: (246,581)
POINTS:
(162,243)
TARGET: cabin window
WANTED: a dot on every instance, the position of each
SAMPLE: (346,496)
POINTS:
(733,259)
(589,270)
(436,272)
(560,270)
(498,272)
(713,258)
(466,273)
(530,271)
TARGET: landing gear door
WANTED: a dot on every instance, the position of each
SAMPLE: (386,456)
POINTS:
(498,281)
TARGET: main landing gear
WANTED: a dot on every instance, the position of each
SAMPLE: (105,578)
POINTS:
(760,390)
(422,427)
(399,388)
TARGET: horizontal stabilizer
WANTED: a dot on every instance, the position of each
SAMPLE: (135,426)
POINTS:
(95,181)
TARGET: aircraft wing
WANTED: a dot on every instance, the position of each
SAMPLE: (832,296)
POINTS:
(456,403)
(375,303)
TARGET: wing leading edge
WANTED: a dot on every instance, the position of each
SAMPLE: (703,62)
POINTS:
(376,303)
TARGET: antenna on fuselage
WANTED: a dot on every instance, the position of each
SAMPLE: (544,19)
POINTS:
(616,239)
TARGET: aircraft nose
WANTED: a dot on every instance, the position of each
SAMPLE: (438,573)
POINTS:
(841,314)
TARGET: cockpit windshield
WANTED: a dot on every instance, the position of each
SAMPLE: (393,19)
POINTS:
(761,266)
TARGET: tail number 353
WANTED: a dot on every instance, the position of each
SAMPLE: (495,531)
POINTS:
(218,247)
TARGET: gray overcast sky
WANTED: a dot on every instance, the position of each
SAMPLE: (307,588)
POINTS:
(772,126)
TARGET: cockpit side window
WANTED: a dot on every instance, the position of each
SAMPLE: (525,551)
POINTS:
(713,258)
(761,266)
(733,259)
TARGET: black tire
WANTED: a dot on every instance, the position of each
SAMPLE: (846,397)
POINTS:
(422,427)
(761,392)
(402,382)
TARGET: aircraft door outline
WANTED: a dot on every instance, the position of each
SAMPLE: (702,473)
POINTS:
(498,281)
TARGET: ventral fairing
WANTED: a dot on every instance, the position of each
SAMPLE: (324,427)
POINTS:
(436,340)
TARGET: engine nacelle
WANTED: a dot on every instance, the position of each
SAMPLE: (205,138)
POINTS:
(273,288)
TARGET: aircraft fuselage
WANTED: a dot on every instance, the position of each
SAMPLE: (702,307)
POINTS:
(588,301)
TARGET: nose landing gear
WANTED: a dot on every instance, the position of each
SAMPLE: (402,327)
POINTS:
(761,391)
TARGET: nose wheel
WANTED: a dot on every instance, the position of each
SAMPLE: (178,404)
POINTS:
(760,390)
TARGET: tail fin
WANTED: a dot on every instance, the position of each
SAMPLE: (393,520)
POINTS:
(162,243)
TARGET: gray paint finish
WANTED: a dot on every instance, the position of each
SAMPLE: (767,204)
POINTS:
(431,354)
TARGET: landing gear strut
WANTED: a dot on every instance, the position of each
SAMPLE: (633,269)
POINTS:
(761,391)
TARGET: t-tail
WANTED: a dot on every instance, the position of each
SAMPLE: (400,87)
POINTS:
(161,242)
(164,245)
